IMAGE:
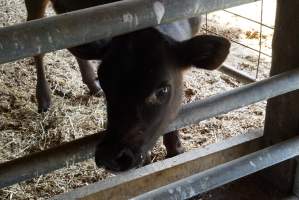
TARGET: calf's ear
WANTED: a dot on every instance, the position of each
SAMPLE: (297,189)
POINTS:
(205,51)
(90,51)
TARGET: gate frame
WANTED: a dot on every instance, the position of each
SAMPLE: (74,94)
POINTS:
(282,115)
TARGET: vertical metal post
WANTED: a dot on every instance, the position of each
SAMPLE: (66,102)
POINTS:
(296,179)
(282,114)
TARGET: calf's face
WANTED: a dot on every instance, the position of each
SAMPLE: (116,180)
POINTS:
(141,76)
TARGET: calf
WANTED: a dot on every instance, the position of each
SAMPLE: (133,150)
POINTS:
(141,76)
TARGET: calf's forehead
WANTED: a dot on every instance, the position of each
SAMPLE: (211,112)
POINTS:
(141,70)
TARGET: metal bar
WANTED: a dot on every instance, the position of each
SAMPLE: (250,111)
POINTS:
(237,74)
(43,162)
(195,112)
(167,171)
(105,21)
(291,198)
(49,160)
(225,173)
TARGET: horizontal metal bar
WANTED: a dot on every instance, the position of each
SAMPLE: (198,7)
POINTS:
(292,197)
(49,160)
(161,173)
(87,25)
(195,112)
(237,74)
(225,173)
(43,162)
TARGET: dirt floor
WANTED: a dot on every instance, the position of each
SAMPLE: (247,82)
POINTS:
(75,114)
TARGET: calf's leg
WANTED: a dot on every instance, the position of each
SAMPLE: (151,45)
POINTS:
(42,88)
(173,144)
(36,10)
(89,76)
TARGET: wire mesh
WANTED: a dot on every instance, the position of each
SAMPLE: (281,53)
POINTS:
(262,41)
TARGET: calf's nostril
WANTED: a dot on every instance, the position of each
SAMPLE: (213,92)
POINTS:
(125,159)
(122,161)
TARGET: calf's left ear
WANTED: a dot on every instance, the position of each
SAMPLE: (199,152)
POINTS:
(205,51)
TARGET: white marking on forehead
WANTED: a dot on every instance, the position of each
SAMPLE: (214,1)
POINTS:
(159,10)
(128,18)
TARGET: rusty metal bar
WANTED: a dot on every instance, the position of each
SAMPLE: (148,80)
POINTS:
(237,74)
(105,21)
(49,160)
(225,173)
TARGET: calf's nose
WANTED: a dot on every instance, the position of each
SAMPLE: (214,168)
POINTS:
(123,161)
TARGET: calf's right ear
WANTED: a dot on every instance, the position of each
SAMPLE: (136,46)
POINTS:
(205,51)
(90,51)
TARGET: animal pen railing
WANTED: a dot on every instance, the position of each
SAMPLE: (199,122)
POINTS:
(182,176)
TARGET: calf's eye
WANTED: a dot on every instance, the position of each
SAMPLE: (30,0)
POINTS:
(162,92)
(158,96)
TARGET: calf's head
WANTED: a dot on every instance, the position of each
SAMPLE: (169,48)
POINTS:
(141,76)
